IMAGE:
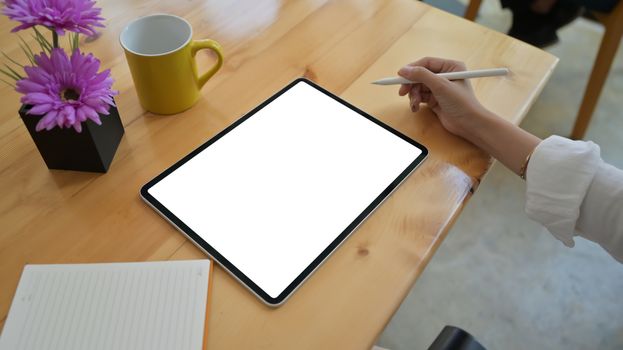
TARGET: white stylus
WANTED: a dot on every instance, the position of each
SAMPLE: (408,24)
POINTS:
(467,74)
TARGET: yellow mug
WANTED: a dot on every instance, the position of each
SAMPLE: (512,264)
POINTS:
(161,55)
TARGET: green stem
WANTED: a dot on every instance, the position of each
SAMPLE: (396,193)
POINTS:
(54,38)
(6,82)
(10,74)
(43,42)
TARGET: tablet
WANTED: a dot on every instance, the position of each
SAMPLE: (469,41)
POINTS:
(274,194)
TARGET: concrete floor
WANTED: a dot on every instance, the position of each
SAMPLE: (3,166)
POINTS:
(504,278)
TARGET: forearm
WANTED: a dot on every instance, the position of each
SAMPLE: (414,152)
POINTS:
(503,140)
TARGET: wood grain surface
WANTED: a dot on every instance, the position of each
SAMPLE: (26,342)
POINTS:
(71,217)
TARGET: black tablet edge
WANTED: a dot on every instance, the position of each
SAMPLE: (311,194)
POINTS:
(308,271)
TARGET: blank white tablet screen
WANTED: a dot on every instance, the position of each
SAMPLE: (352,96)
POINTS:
(276,190)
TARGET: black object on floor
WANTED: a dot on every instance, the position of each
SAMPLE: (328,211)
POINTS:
(454,338)
(540,29)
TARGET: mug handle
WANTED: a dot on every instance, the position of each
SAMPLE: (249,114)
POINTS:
(197,45)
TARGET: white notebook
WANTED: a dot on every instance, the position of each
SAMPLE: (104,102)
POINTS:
(151,305)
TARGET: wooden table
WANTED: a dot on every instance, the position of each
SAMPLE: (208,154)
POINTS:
(70,217)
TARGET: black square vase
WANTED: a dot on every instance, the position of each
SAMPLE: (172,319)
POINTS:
(90,150)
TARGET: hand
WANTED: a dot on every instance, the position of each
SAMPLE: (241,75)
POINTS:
(453,102)
(460,112)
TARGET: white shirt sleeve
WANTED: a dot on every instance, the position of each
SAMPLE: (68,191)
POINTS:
(573,192)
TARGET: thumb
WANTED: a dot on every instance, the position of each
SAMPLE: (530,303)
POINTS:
(424,76)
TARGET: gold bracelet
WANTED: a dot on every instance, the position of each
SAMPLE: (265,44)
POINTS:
(524,167)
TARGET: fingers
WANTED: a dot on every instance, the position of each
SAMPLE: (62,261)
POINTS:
(433,64)
(426,97)
(427,84)
(415,97)
(439,65)
(420,94)
(424,76)
(404,89)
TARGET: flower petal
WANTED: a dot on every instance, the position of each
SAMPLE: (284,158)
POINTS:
(35,98)
(40,109)
(77,127)
(47,122)
(80,115)
(46,84)
(80,16)
(25,86)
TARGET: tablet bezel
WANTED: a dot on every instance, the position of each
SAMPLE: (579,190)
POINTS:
(220,259)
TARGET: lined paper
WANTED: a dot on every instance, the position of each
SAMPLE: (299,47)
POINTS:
(151,305)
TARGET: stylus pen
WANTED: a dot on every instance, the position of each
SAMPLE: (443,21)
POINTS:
(467,74)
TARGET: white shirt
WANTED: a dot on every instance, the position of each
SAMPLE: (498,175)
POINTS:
(573,192)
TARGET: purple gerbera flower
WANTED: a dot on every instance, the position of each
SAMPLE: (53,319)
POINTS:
(66,91)
(79,16)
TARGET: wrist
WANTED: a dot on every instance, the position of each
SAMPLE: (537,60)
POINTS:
(476,124)
(501,139)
